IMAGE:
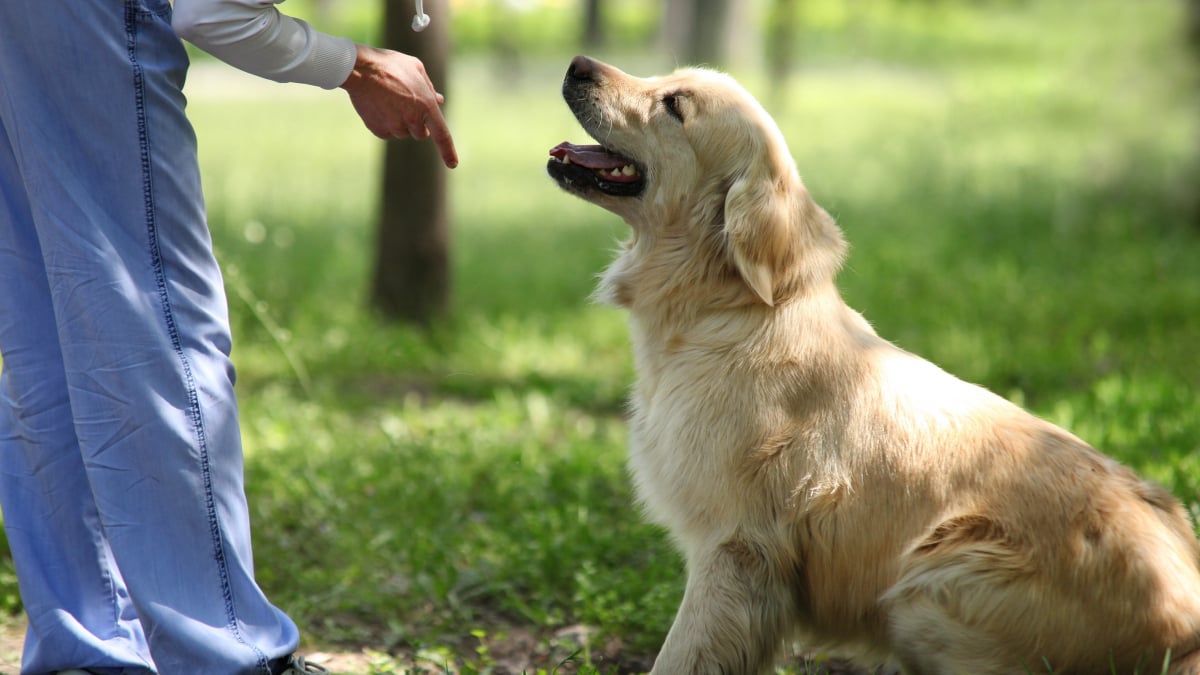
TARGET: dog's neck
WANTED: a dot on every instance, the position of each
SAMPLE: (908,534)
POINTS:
(685,258)
(646,283)
(807,336)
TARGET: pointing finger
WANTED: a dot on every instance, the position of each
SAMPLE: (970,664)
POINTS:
(440,133)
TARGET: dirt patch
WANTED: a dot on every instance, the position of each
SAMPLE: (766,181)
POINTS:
(511,650)
(12,637)
(502,650)
(341,662)
(505,651)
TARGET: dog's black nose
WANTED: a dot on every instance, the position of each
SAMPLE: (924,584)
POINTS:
(581,68)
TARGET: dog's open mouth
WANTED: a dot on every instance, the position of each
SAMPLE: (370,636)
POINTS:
(583,167)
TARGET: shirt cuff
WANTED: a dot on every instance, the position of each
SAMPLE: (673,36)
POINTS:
(331,62)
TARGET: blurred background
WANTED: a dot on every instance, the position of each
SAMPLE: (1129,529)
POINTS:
(432,406)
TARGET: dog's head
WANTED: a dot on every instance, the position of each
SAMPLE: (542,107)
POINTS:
(702,173)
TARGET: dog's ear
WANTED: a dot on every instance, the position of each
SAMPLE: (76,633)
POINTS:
(758,229)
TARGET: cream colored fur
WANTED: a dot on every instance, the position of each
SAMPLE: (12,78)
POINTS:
(822,482)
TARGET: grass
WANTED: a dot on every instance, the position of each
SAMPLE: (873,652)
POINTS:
(1018,184)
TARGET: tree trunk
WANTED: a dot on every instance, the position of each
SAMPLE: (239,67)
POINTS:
(412,265)
(673,32)
(697,32)
(708,43)
(781,40)
(1194,24)
(1193,28)
(593,25)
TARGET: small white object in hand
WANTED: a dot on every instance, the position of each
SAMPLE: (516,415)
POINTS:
(421,20)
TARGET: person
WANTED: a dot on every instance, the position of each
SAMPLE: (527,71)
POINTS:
(121,475)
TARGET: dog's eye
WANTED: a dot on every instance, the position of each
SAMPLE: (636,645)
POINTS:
(671,103)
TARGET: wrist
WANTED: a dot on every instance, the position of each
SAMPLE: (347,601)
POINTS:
(364,60)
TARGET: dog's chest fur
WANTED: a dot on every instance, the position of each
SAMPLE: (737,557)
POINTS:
(683,434)
(717,432)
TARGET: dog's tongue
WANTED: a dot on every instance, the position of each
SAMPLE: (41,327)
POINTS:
(589,156)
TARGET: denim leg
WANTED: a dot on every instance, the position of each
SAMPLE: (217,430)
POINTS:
(92,106)
(79,610)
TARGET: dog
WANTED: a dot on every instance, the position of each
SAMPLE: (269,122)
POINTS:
(821,483)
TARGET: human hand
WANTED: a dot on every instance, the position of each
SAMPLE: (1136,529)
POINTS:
(395,98)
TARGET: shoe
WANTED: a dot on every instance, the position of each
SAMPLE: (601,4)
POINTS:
(296,665)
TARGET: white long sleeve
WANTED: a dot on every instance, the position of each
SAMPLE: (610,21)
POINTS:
(254,36)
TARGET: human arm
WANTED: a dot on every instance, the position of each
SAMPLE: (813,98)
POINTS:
(254,36)
(390,91)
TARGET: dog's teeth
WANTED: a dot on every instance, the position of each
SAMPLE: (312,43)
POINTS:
(566,159)
(627,170)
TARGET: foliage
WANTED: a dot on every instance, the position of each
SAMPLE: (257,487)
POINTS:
(494,27)
(1014,177)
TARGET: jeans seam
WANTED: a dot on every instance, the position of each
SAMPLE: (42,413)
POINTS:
(142,11)
(132,13)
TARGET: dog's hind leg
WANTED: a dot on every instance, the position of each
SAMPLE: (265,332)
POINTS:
(948,610)
(733,616)
(929,642)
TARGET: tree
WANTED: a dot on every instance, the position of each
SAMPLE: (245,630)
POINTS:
(412,265)
(780,45)
(1194,24)
(708,32)
(593,24)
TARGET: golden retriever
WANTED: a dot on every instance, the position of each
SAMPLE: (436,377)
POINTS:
(821,483)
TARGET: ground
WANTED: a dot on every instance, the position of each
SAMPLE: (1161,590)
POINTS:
(10,648)
(517,651)
(12,634)
(514,651)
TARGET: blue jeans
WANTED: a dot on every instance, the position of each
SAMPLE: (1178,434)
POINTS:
(120,454)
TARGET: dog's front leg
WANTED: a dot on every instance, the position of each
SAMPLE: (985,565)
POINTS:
(732,618)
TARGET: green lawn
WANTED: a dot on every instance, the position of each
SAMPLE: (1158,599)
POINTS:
(1018,181)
